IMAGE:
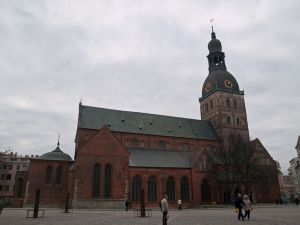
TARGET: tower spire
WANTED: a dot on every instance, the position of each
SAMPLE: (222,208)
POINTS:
(58,140)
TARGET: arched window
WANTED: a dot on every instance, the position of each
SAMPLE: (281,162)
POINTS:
(206,107)
(205,190)
(96,181)
(20,184)
(215,60)
(185,193)
(171,189)
(135,142)
(186,146)
(237,121)
(58,175)
(162,144)
(220,59)
(228,120)
(136,188)
(152,189)
(228,102)
(48,174)
(107,181)
(211,104)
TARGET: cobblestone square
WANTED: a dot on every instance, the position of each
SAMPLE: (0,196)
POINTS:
(262,215)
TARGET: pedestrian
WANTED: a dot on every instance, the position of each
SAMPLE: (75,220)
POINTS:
(297,200)
(1,205)
(126,204)
(164,209)
(179,204)
(239,206)
(247,206)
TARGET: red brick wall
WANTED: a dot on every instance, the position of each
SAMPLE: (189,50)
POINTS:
(161,175)
(51,194)
(103,148)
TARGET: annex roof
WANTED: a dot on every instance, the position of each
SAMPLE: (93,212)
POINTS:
(160,158)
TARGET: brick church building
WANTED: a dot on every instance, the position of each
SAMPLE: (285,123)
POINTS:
(119,153)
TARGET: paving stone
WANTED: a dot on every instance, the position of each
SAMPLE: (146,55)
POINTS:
(278,215)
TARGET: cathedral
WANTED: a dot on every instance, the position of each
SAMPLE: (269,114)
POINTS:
(121,154)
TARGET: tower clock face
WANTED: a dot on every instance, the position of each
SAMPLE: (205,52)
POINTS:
(228,84)
(207,87)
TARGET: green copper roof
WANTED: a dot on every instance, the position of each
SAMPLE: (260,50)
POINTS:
(144,123)
(160,158)
(56,154)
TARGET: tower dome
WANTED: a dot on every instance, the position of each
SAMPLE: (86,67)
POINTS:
(214,45)
(218,78)
(56,154)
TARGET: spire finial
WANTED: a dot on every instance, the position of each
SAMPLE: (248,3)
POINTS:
(213,35)
(58,140)
(212,25)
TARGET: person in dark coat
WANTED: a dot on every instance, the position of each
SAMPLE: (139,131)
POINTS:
(239,205)
(297,200)
(126,204)
(1,205)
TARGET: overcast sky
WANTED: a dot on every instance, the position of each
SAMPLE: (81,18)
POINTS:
(147,56)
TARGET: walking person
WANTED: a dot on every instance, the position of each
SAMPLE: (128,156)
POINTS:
(126,204)
(247,206)
(164,209)
(1,205)
(239,206)
(179,204)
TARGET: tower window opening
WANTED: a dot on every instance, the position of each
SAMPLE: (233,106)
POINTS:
(211,104)
(206,107)
(228,102)
(215,60)
(228,120)
(220,60)
(234,103)
(237,121)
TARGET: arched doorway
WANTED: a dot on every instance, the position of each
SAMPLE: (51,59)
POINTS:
(205,191)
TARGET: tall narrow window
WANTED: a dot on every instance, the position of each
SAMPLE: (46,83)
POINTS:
(162,144)
(206,107)
(205,190)
(211,104)
(228,120)
(152,189)
(185,193)
(228,102)
(135,142)
(171,189)
(96,181)
(107,181)
(136,188)
(58,175)
(238,121)
(48,174)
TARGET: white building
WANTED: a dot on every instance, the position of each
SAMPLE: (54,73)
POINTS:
(294,170)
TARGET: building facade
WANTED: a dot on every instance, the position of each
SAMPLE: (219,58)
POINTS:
(294,170)
(11,164)
(120,154)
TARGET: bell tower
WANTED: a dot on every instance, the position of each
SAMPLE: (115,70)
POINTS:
(222,101)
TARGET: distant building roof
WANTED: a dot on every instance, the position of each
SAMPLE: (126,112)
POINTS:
(144,123)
